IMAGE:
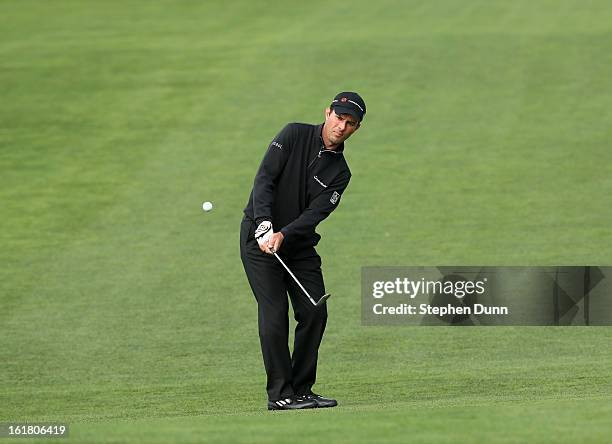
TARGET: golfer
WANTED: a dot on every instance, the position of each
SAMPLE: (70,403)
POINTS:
(299,183)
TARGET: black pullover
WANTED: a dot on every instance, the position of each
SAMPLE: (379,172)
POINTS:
(298,184)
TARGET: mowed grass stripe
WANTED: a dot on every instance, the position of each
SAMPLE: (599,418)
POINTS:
(540,421)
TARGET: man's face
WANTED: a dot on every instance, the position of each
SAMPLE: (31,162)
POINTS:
(338,128)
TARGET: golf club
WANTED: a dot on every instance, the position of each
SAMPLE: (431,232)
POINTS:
(318,303)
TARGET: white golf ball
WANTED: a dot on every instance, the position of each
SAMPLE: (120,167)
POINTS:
(207,206)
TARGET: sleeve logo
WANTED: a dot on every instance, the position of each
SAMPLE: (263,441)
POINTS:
(277,145)
(334,198)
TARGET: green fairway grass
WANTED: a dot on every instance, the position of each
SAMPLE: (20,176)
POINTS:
(124,309)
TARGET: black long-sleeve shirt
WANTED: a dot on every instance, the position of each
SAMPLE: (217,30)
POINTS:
(298,184)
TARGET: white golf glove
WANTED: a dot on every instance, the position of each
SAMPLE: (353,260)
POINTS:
(263,232)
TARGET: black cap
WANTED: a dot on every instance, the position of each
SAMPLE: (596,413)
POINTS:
(349,103)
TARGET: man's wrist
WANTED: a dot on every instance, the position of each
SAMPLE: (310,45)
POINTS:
(283,231)
(259,220)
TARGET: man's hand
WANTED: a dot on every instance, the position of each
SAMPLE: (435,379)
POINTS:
(267,239)
(273,244)
(263,232)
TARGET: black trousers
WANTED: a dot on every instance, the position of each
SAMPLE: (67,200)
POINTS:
(287,374)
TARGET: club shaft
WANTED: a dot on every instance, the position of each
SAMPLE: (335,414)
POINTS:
(295,279)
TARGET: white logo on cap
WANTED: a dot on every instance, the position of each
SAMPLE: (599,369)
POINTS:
(344,99)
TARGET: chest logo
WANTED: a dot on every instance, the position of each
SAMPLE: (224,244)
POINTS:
(320,183)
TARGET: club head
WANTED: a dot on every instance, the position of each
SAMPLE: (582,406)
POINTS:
(324,298)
